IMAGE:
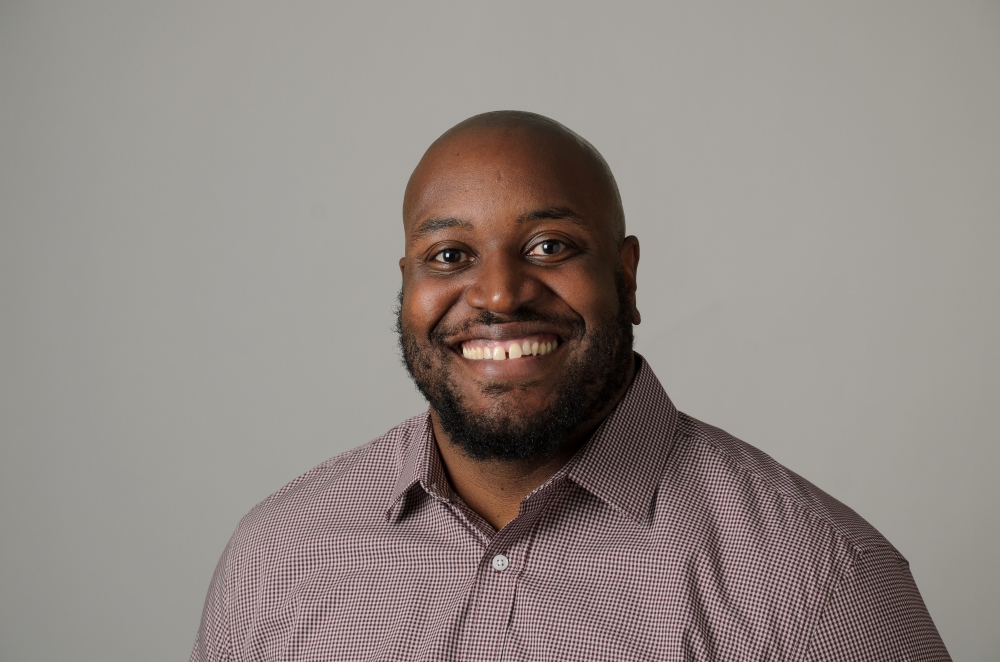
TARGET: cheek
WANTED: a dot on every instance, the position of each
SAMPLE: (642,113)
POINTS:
(590,298)
(426,301)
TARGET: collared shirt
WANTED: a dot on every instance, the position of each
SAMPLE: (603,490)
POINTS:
(662,539)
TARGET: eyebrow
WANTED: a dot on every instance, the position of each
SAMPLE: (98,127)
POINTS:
(432,225)
(551,214)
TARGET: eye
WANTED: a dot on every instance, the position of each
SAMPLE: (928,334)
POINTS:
(547,247)
(450,256)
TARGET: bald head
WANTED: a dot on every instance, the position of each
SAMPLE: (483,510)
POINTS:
(541,140)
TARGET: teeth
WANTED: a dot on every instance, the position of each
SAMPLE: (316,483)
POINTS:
(512,351)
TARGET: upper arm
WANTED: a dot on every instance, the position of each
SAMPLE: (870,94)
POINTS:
(876,613)
(212,643)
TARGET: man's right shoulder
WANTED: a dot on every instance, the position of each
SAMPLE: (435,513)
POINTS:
(353,485)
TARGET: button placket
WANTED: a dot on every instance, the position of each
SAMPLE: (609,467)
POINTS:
(493,593)
(493,599)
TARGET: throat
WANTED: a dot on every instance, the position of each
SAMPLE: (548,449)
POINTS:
(494,489)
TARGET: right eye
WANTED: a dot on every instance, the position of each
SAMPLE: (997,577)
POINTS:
(450,256)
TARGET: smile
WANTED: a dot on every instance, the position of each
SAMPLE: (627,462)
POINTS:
(512,348)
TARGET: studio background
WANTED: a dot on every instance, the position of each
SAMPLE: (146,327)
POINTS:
(200,228)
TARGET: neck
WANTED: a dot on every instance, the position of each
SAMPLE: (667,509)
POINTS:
(495,488)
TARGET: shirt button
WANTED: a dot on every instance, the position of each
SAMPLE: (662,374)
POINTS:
(500,563)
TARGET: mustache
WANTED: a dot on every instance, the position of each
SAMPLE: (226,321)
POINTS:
(490,318)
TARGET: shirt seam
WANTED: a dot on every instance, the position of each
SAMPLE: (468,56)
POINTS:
(848,570)
(836,587)
(846,538)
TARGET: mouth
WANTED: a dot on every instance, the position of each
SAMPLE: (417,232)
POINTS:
(540,344)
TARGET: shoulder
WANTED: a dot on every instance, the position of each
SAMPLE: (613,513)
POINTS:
(759,544)
(354,485)
(732,479)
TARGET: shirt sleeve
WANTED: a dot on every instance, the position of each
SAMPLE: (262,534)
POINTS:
(876,613)
(212,643)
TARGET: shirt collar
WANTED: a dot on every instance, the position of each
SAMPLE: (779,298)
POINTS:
(621,464)
(420,464)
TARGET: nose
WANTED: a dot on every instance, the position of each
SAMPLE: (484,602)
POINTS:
(502,285)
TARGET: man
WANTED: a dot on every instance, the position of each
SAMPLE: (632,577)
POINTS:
(552,504)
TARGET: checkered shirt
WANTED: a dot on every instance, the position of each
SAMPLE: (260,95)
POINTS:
(662,539)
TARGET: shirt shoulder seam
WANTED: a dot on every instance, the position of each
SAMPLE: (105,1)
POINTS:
(856,555)
(696,428)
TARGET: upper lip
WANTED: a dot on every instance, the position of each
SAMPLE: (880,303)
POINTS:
(505,331)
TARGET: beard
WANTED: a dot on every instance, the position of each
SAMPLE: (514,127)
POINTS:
(595,376)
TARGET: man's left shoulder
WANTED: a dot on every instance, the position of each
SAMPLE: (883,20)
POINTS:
(744,493)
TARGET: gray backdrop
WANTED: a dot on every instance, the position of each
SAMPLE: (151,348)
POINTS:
(200,228)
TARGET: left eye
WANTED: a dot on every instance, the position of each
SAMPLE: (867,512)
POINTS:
(450,256)
(547,247)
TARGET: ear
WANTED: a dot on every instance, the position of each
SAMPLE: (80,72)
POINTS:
(630,267)
(402,265)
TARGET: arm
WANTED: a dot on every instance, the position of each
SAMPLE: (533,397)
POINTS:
(212,643)
(876,613)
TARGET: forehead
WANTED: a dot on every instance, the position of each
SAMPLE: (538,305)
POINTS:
(495,173)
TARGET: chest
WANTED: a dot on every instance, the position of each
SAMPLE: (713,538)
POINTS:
(547,589)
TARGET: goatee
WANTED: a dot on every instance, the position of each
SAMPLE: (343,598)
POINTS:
(595,376)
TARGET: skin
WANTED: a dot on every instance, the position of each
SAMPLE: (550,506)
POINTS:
(492,183)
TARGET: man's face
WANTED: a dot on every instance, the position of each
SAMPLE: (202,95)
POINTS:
(511,254)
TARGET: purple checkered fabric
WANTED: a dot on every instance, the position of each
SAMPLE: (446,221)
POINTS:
(662,539)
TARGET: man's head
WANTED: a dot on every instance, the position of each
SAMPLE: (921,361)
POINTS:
(515,243)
